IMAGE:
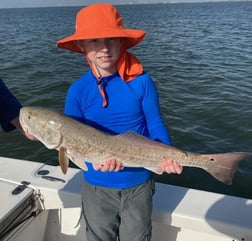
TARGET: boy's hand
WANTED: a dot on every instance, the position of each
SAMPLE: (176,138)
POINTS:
(109,166)
(170,166)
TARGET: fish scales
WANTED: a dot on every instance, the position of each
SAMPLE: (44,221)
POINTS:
(79,143)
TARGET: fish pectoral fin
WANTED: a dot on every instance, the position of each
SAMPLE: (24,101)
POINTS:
(63,159)
(156,170)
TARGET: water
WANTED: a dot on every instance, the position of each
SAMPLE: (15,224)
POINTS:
(199,54)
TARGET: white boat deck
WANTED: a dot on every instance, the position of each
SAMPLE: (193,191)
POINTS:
(180,214)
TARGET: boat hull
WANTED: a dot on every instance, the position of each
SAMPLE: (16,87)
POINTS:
(179,214)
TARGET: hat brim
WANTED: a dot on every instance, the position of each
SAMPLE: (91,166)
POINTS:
(132,37)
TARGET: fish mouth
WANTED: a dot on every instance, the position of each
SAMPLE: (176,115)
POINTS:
(22,123)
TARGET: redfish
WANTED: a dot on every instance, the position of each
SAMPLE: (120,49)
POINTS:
(79,143)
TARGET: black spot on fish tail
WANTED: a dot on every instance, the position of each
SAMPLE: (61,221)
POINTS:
(223,166)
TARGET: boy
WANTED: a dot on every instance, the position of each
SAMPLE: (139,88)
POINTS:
(115,95)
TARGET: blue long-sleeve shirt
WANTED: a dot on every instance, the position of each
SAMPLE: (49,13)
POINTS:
(9,107)
(131,106)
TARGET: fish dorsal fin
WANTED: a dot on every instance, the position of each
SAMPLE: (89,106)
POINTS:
(133,135)
(133,138)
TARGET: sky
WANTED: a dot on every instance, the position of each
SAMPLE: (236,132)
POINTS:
(52,3)
(44,3)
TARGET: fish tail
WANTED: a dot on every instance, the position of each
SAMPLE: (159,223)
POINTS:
(224,165)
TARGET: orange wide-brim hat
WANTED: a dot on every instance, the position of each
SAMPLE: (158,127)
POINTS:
(100,21)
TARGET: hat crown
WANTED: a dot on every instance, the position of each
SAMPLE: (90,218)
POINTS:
(98,16)
(100,21)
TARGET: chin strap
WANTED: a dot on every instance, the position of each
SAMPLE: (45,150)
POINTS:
(102,92)
(128,67)
(101,87)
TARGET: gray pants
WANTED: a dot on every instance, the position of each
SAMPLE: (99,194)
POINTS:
(118,214)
